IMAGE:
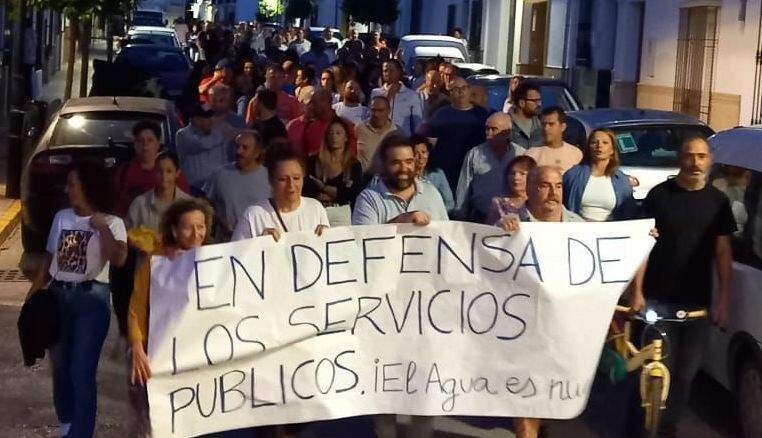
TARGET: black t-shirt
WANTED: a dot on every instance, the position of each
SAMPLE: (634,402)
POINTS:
(270,129)
(680,265)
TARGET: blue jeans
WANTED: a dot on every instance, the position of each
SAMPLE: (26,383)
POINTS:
(85,315)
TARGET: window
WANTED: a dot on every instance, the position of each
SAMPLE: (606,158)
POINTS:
(696,48)
(653,146)
(742,186)
(95,128)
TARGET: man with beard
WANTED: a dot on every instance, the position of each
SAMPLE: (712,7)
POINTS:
(398,197)
(527,103)
(407,112)
(350,107)
(235,186)
(696,224)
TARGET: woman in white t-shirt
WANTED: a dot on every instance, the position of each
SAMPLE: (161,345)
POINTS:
(83,241)
(287,210)
(596,188)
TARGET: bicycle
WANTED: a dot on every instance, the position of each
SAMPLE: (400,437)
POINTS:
(654,376)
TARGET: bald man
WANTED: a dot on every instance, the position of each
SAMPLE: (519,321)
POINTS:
(483,174)
(695,223)
(457,128)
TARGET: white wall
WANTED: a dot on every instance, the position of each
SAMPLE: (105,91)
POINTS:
(495,33)
(627,41)
(660,42)
(734,64)
(434,16)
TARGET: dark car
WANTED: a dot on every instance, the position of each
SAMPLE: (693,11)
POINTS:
(553,91)
(98,127)
(647,140)
(168,65)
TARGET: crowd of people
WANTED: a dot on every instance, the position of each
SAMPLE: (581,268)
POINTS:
(289,134)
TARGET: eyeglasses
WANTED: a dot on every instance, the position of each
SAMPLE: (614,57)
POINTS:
(538,100)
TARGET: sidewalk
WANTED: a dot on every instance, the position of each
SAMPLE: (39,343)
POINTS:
(10,209)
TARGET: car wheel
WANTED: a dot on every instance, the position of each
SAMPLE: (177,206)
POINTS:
(749,398)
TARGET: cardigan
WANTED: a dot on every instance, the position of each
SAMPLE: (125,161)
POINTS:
(575,182)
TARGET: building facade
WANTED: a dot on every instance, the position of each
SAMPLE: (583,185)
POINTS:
(703,58)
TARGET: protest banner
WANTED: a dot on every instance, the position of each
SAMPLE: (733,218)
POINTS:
(447,319)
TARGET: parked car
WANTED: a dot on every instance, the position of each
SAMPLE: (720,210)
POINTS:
(553,91)
(429,46)
(168,65)
(98,127)
(161,36)
(468,69)
(647,140)
(734,356)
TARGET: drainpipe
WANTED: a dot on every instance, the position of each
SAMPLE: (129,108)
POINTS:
(568,73)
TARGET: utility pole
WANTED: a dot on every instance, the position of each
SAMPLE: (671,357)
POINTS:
(18,82)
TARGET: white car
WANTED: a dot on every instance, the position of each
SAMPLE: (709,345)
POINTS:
(734,356)
(162,36)
(647,140)
(430,46)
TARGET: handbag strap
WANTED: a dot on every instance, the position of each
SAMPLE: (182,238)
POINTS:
(277,213)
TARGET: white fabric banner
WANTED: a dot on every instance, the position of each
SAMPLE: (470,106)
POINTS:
(447,319)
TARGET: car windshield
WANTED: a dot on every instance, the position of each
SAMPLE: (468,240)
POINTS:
(653,146)
(151,38)
(95,128)
(551,95)
(150,59)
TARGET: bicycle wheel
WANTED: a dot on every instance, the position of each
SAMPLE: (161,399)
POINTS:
(653,406)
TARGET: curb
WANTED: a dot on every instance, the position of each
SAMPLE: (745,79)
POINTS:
(9,219)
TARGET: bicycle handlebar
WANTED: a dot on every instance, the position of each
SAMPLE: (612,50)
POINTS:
(680,315)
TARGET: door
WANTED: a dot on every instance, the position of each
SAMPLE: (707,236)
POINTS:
(537,37)
(696,47)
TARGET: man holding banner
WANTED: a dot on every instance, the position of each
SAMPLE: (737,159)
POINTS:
(399,198)
(544,204)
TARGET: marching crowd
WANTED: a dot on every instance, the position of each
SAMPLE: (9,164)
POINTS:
(289,134)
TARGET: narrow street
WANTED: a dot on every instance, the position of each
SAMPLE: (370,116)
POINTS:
(27,408)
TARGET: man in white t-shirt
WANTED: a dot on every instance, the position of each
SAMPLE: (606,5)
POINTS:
(555,151)
(350,107)
(287,210)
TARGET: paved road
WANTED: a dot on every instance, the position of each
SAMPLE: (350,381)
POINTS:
(26,409)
